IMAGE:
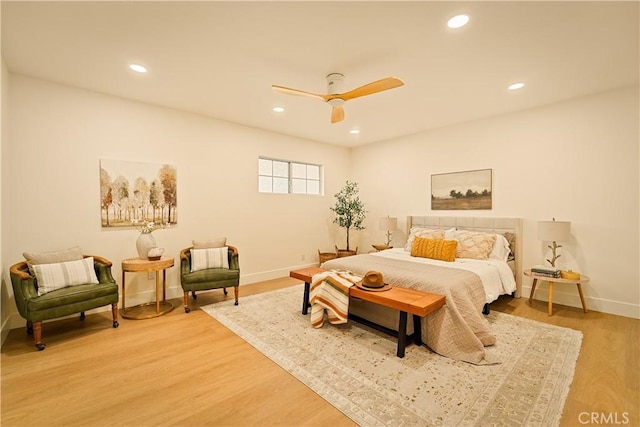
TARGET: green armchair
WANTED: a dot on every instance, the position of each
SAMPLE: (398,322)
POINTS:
(210,278)
(62,302)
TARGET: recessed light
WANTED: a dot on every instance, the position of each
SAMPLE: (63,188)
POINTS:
(516,86)
(278,109)
(458,21)
(138,68)
(354,131)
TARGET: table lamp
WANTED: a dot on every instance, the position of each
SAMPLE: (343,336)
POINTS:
(388,224)
(554,231)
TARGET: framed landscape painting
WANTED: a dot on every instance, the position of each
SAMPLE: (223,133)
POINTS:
(461,190)
(137,192)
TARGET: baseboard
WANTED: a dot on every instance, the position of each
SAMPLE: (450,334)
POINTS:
(572,299)
(14,320)
(272,274)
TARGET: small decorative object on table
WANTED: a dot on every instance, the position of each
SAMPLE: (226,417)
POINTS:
(388,224)
(155,253)
(543,270)
(381,247)
(146,241)
(569,274)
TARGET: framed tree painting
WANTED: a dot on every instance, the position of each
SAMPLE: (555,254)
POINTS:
(462,190)
(133,192)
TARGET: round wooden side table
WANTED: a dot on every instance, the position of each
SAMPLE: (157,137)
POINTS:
(551,281)
(150,309)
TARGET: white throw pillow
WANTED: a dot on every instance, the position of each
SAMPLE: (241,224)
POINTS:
(60,275)
(202,259)
(501,249)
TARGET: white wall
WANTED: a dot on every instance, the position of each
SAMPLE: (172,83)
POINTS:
(58,135)
(576,161)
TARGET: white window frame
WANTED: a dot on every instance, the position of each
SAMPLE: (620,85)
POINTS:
(292,182)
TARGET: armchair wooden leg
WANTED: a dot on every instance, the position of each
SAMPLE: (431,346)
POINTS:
(29,327)
(82,315)
(186,301)
(114,314)
(235,292)
(37,336)
(225,291)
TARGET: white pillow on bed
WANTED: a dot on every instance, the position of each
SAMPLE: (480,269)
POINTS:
(474,244)
(428,233)
(501,249)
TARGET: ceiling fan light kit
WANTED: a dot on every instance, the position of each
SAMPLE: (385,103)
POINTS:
(336,98)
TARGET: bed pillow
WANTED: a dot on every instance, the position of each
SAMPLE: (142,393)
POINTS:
(440,249)
(206,244)
(60,275)
(428,233)
(501,249)
(33,258)
(474,244)
(201,259)
(511,238)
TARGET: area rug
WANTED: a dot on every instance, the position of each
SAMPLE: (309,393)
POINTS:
(355,368)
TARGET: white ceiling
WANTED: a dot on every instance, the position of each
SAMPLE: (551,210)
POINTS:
(220,59)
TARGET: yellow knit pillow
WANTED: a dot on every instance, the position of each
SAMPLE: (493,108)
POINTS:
(441,249)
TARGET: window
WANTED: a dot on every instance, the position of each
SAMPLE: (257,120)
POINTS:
(282,176)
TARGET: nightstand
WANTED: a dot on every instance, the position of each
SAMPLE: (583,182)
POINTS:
(551,281)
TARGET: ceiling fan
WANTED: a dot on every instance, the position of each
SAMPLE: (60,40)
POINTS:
(336,98)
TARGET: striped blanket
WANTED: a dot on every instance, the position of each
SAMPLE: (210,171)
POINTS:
(330,292)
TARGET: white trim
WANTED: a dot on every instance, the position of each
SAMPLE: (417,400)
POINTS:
(571,298)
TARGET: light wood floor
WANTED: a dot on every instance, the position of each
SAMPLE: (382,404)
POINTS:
(189,370)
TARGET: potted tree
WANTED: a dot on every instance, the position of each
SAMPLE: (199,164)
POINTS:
(350,213)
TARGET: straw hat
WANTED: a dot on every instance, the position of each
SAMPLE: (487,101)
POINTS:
(373,281)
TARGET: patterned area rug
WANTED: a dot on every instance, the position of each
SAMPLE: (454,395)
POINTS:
(355,368)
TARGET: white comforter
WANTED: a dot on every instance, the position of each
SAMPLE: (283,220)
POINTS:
(496,276)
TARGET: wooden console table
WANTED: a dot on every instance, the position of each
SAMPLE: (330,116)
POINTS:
(150,309)
(406,301)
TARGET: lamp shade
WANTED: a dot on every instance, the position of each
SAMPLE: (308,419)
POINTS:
(388,223)
(554,231)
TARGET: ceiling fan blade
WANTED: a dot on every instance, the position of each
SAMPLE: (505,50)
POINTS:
(371,88)
(296,92)
(337,114)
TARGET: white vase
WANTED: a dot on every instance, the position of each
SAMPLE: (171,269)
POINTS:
(145,242)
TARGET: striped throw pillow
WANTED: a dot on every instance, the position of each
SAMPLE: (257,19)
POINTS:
(202,259)
(60,275)
(440,249)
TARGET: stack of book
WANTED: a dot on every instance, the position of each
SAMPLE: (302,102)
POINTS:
(543,270)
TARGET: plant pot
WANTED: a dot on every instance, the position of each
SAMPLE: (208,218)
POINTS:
(343,252)
(326,256)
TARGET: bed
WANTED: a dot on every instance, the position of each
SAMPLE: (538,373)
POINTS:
(458,330)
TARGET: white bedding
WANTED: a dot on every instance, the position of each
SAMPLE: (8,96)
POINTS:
(496,276)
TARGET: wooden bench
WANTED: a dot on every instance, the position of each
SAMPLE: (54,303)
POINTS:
(406,301)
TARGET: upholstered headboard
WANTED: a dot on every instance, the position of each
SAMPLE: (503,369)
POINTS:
(485,224)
